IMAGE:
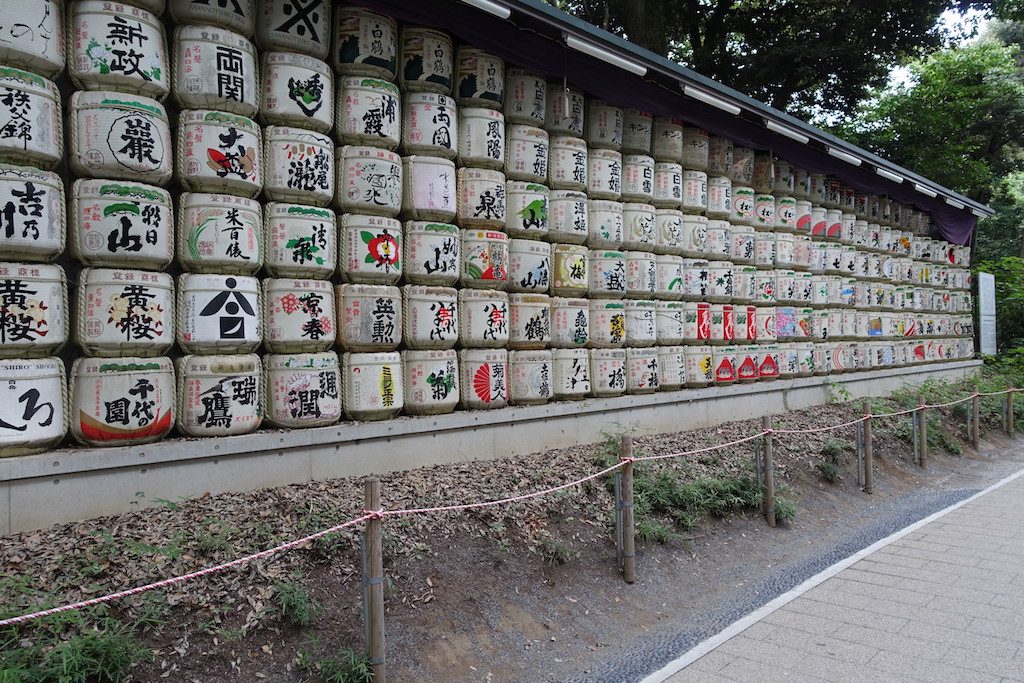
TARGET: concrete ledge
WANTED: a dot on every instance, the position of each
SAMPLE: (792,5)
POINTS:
(71,484)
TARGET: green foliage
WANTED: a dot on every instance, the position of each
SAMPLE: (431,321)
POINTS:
(555,551)
(653,530)
(1009,276)
(296,604)
(347,666)
(785,509)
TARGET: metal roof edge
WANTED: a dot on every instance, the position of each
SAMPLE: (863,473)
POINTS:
(565,22)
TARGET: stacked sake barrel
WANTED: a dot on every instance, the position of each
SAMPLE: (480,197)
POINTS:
(34,411)
(282,212)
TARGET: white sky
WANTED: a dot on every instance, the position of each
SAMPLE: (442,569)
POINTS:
(954,23)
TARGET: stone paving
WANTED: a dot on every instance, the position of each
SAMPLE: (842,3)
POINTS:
(943,603)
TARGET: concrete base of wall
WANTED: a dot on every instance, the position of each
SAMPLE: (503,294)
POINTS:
(71,484)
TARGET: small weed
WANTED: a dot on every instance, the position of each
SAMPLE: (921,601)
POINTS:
(650,529)
(555,551)
(347,667)
(830,471)
(834,448)
(785,509)
(296,604)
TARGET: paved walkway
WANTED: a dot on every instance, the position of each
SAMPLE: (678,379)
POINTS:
(943,603)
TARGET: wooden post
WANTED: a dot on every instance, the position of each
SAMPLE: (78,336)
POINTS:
(922,433)
(628,522)
(976,420)
(769,473)
(375,561)
(1009,412)
(869,457)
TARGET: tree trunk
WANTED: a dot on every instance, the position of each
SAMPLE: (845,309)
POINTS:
(645,24)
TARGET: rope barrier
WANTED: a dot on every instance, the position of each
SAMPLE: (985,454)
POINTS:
(381,514)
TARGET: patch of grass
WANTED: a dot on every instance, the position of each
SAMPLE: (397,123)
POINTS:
(213,536)
(296,604)
(347,666)
(651,529)
(785,509)
(829,471)
(833,449)
(555,551)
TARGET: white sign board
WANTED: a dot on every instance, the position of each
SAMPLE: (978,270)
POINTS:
(987,312)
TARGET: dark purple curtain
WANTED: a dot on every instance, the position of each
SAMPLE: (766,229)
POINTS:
(533,44)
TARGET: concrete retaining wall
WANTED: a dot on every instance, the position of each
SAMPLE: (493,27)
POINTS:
(71,484)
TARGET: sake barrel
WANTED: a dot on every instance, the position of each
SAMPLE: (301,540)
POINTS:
(636,132)
(35,415)
(529,321)
(214,68)
(638,178)
(365,43)
(723,324)
(219,395)
(743,244)
(607,323)
(117,47)
(299,315)
(695,192)
(803,221)
(529,267)
(671,367)
(431,253)
(743,205)
(789,361)
(222,233)
(641,323)
(833,194)
(747,363)
(484,376)
(819,221)
(369,317)
(801,183)
(120,224)
(301,242)
(720,155)
(846,223)
(300,166)
(525,97)
(124,312)
(696,149)
(668,185)
(642,371)
(785,178)
(430,125)
(479,78)
(119,136)
(833,224)
(697,323)
(369,181)
(570,264)
(785,250)
(218,313)
(669,230)
(239,17)
(297,90)
(764,218)
(567,163)
(121,401)
(695,236)
(33,310)
(570,322)
(605,224)
(819,191)
(220,152)
(604,125)
(696,279)
(564,109)
(294,27)
(485,255)
(370,250)
(741,171)
(430,317)
(40,50)
(426,60)
(31,213)
(803,257)
(527,209)
(428,188)
(763,180)
(571,372)
(483,318)
(667,139)
(368,112)
(860,205)
(724,360)
(608,371)
(303,389)
(670,282)
(720,281)
(641,274)
(569,219)
(372,384)
(604,174)
(785,214)
(526,153)
(481,138)
(744,283)
(481,198)
(670,319)
(785,281)
(531,377)
(719,197)
(768,362)
(766,287)
(700,367)
(639,229)
(431,381)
